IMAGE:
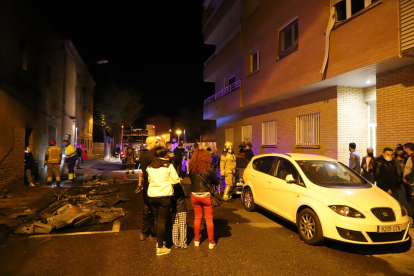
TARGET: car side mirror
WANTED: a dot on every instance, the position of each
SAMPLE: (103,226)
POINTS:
(290,179)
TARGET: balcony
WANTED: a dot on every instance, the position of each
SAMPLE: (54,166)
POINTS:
(222,46)
(226,90)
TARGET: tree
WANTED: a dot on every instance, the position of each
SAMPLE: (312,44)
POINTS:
(116,105)
(192,122)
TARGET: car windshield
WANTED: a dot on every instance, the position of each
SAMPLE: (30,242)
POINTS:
(331,174)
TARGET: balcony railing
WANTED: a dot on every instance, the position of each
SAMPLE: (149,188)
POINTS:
(222,46)
(226,90)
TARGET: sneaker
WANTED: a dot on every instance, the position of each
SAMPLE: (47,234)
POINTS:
(211,245)
(32,185)
(143,237)
(196,243)
(162,251)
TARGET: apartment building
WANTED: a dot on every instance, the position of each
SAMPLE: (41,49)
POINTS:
(45,90)
(311,76)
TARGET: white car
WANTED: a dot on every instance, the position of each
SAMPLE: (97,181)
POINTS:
(324,198)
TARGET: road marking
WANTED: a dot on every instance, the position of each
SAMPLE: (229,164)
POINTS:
(116,226)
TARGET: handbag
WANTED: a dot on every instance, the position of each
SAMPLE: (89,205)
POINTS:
(216,198)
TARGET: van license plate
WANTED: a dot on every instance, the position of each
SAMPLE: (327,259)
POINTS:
(389,228)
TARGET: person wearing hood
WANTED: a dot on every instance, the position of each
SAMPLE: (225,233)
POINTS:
(385,172)
(161,176)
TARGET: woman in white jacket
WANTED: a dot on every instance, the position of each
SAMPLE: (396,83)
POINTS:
(161,177)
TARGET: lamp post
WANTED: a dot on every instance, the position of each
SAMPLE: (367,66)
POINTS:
(178,132)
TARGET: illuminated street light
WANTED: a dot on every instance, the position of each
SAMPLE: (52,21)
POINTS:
(178,132)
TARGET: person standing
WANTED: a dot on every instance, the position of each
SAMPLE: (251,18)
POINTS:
(228,169)
(79,156)
(249,153)
(178,159)
(130,159)
(70,159)
(367,165)
(28,166)
(385,172)
(170,152)
(179,217)
(146,157)
(203,179)
(242,151)
(53,159)
(408,174)
(354,159)
(161,176)
(401,189)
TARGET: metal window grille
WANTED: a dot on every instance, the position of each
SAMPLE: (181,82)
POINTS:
(247,133)
(229,134)
(269,133)
(308,130)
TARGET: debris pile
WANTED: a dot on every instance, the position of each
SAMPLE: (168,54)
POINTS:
(91,204)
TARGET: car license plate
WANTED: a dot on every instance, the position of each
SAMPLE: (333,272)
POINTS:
(389,228)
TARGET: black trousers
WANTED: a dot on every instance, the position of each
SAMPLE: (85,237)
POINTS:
(161,207)
(148,215)
(71,164)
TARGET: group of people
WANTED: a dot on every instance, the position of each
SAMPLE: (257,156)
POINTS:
(164,196)
(392,171)
(53,159)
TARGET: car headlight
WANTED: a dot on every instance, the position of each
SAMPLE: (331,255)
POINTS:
(346,211)
(403,211)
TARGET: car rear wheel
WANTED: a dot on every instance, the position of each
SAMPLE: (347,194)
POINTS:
(248,200)
(309,227)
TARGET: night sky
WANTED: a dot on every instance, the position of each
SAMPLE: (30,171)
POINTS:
(154,46)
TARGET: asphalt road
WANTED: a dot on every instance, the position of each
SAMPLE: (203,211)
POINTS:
(254,243)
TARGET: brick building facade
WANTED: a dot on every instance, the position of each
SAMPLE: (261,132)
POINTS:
(39,75)
(267,74)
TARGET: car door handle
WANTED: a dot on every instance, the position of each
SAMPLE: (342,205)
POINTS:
(269,181)
(252,175)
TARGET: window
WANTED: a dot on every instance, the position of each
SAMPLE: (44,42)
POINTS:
(229,135)
(232,80)
(288,39)
(347,8)
(285,168)
(308,130)
(253,62)
(269,133)
(247,134)
(264,164)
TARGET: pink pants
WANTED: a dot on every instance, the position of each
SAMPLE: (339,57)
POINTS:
(200,204)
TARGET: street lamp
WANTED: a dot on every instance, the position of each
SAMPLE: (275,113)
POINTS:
(178,132)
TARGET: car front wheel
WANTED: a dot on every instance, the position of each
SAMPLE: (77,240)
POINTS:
(309,227)
(248,200)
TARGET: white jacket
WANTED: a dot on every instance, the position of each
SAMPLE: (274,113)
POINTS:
(161,180)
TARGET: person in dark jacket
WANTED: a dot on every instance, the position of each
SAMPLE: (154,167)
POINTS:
(178,159)
(203,179)
(130,159)
(249,153)
(179,217)
(367,165)
(385,172)
(146,157)
(242,151)
(79,156)
(28,166)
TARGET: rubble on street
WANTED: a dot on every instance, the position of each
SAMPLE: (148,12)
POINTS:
(92,201)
